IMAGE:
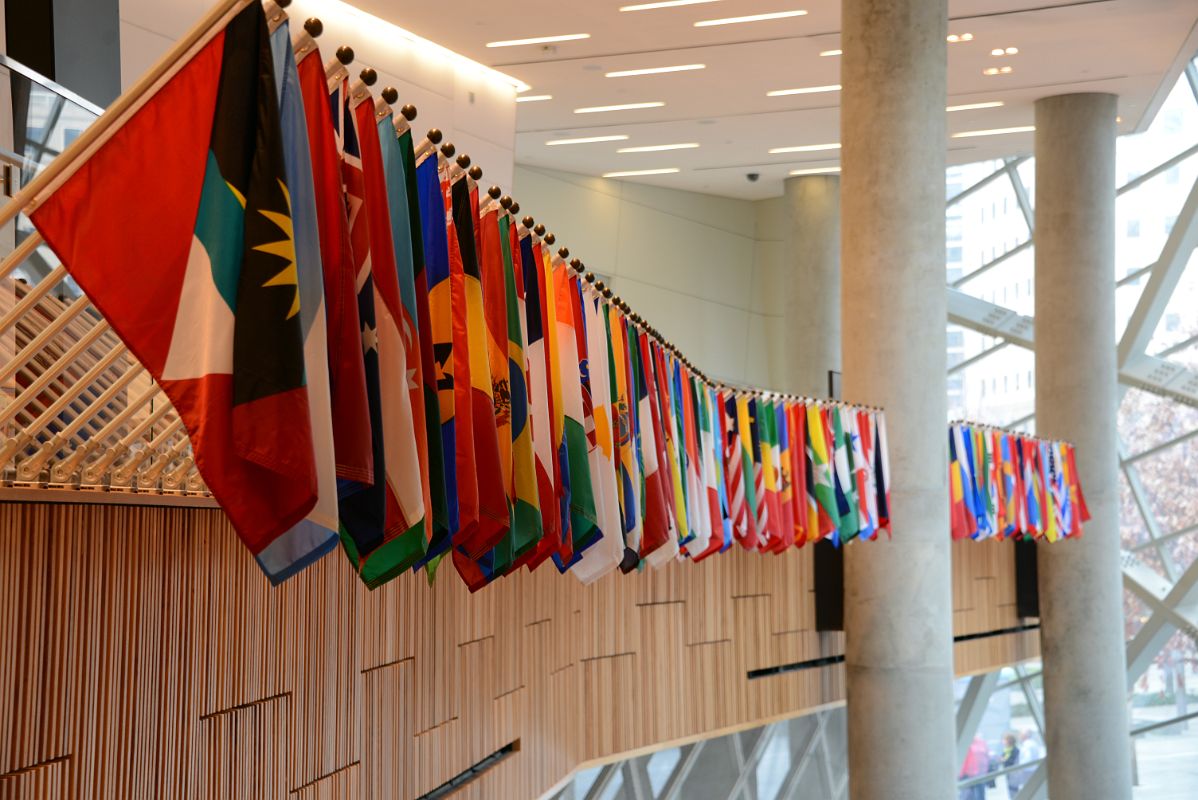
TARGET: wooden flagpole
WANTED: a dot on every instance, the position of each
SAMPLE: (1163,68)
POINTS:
(124,107)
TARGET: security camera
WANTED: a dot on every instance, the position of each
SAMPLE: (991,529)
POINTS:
(752,177)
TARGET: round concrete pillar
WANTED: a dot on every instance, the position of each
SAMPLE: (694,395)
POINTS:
(1081,587)
(898,594)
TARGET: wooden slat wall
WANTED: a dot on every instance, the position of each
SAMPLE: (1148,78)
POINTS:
(142,654)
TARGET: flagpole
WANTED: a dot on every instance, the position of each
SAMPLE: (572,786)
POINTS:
(129,103)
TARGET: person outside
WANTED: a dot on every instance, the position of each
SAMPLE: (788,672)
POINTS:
(1010,757)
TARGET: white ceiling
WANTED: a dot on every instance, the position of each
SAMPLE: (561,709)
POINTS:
(1133,48)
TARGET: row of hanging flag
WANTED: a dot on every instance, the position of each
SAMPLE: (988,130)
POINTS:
(1010,485)
(364,351)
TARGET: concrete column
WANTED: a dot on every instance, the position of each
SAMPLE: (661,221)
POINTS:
(1081,594)
(898,593)
(812,282)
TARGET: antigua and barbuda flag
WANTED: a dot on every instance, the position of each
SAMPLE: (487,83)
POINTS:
(214,311)
(321,525)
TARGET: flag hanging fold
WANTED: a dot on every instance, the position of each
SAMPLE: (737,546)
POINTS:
(494,515)
(414,292)
(403,536)
(352,440)
(608,551)
(363,505)
(540,392)
(434,308)
(526,518)
(317,533)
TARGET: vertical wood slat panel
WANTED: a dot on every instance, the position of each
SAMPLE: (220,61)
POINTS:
(142,654)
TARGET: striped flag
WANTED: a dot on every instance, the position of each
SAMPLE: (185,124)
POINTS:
(363,507)
(607,554)
(493,512)
(436,306)
(404,539)
(526,520)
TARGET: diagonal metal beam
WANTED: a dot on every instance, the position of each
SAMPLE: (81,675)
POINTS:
(1151,306)
(748,763)
(1162,447)
(790,787)
(989,351)
(972,709)
(986,181)
(1176,608)
(606,775)
(633,778)
(1155,375)
(1166,537)
(1144,507)
(1177,348)
(1021,197)
(991,264)
(1037,783)
(1164,166)
(1034,706)
(681,772)
(1135,275)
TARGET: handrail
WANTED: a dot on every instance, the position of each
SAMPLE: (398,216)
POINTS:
(46,83)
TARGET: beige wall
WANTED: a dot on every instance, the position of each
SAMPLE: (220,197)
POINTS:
(703,269)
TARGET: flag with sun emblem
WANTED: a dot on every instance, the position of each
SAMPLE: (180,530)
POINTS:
(197,273)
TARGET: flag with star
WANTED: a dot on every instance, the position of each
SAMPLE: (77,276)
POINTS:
(404,531)
(363,505)
(203,288)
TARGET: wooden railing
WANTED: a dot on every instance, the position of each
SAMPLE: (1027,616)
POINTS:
(77,410)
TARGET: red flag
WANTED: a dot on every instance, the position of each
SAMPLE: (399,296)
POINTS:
(347,376)
(657,525)
(798,454)
(549,477)
(494,514)
(233,368)
(403,534)
(466,470)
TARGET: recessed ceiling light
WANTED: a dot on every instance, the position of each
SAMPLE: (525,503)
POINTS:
(620,107)
(805,148)
(1004,51)
(653,148)
(1118,119)
(954,38)
(804,90)
(975,106)
(816,171)
(665,4)
(831,52)
(587,140)
(628,73)
(998,70)
(707,23)
(534,98)
(632,173)
(565,37)
(994,132)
